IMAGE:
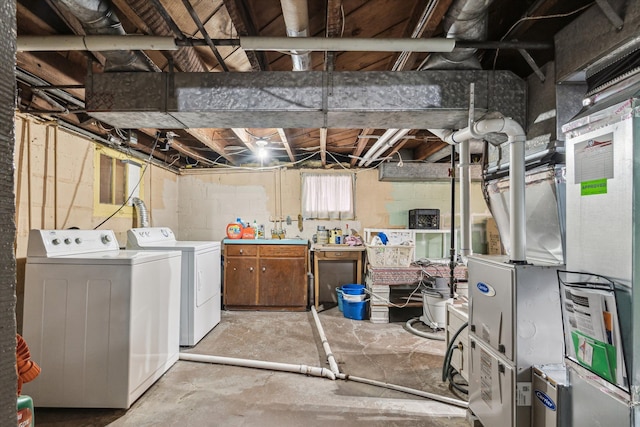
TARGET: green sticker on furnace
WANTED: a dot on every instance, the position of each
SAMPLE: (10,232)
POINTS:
(597,186)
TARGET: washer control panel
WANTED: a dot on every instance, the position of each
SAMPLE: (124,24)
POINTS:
(46,243)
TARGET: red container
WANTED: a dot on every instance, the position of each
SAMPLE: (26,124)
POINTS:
(234,230)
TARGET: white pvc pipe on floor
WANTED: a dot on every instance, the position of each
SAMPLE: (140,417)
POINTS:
(432,396)
(325,344)
(259,364)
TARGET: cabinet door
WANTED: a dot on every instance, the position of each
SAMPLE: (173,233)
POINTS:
(282,282)
(240,281)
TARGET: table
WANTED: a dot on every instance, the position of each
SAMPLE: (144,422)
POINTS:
(335,253)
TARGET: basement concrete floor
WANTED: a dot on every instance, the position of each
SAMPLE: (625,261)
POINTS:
(199,394)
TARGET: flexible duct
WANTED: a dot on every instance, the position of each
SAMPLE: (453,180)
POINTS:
(143,214)
(465,20)
(432,336)
(97,18)
(296,19)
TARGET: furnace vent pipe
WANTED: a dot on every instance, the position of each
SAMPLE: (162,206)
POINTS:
(259,364)
(515,137)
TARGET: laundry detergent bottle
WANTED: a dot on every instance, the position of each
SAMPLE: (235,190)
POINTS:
(234,229)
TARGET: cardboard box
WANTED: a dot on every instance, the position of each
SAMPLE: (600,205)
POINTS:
(494,245)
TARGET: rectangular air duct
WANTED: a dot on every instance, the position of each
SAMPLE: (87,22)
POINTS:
(407,99)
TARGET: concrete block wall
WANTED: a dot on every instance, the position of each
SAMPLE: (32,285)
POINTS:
(209,200)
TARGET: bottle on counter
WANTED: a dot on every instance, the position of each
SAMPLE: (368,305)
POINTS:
(234,229)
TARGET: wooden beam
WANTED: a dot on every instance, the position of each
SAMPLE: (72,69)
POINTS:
(245,27)
(360,145)
(323,146)
(245,138)
(285,142)
(207,137)
(426,149)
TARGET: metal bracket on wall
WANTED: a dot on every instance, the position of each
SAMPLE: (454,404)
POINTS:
(611,14)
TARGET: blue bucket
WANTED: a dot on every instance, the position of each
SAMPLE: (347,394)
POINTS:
(339,292)
(353,289)
(354,310)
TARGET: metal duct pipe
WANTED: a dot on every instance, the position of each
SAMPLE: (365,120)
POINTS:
(143,213)
(465,20)
(296,19)
(515,137)
(97,18)
(385,146)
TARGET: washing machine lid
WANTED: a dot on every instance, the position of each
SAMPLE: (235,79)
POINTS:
(121,257)
(162,238)
(181,245)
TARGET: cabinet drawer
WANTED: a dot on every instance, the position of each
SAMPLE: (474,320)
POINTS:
(353,255)
(241,250)
(282,251)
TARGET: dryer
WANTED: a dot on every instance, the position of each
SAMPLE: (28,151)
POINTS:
(200,290)
(101,322)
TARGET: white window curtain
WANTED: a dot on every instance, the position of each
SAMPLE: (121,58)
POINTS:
(327,196)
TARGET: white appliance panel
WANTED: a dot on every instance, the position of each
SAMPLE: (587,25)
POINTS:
(201,280)
(491,386)
(102,333)
(598,237)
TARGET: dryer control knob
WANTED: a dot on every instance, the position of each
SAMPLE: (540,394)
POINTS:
(106,239)
(67,241)
(56,241)
(78,240)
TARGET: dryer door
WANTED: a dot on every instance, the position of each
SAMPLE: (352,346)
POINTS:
(207,276)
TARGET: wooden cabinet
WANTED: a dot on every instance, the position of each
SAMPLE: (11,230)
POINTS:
(265,277)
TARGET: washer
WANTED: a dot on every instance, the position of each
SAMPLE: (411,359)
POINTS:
(200,294)
(101,322)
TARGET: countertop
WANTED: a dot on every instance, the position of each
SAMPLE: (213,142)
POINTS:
(265,242)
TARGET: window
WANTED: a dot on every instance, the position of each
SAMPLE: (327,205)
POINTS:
(116,178)
(328,196)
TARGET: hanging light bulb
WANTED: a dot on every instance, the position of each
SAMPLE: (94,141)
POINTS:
(262,153)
